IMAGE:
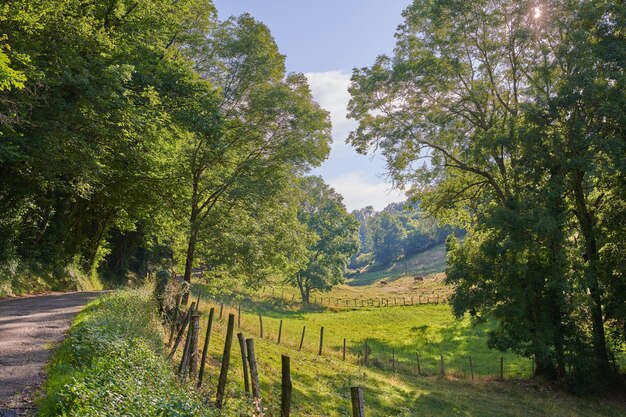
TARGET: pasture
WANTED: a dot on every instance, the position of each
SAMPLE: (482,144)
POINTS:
(321,383)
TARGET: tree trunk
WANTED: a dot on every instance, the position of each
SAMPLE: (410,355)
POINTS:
(191,249)
(304,294)
(587,227)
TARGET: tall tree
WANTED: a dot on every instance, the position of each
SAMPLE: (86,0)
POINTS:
(387,239)
(88,139)
(490,93)
(270,128)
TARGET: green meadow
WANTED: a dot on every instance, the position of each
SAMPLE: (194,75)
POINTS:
(322,383)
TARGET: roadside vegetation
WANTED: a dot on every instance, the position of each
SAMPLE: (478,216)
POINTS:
(112,364)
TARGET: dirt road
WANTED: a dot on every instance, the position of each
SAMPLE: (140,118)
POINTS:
(29,327)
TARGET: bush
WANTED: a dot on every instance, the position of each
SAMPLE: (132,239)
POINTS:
(112,364)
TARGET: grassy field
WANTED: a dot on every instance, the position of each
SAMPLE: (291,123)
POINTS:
(404,332)
(425,263)
(322,383)
(395,336)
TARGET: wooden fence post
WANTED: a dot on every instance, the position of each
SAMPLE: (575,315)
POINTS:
(244,362)
(280,331)
(321,340)
(471,368)
(260,326)
(358,406)
(302,338)
(221,385)
(205,349)
(184,361)
(285,387)
(344,348)
(419,369)
(193,359)
(501,368)
(181,331)
(254,375)
(442,371)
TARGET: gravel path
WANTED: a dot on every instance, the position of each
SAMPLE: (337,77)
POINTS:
(29,328)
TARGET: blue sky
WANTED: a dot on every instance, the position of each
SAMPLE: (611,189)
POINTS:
(325,39)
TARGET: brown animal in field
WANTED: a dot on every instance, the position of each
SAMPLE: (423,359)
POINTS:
(383,283)
(418,278)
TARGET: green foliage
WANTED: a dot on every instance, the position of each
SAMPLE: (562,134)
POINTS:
(146,131)
(387,237)
(331,236)
(237,161)
(397,232)
(9,78)
(111,363)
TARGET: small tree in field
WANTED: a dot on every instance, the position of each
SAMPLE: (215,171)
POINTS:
(334,237)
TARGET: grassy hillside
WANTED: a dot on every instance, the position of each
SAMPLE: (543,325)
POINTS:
(428,262)
(322,383)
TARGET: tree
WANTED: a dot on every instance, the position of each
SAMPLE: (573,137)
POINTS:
(333,237)
(387,239)
(87,140)
(364,216)
(491,95)
(270,128)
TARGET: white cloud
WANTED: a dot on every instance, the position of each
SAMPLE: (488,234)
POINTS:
(359,192)
(330,90)
(356,177)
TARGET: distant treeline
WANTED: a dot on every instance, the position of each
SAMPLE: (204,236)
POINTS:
(398,231)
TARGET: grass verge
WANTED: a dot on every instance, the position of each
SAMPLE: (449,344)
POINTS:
(111,364)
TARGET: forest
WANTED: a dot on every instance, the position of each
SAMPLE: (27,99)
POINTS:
(397,232)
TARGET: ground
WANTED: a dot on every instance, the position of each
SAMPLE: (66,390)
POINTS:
(29,327)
